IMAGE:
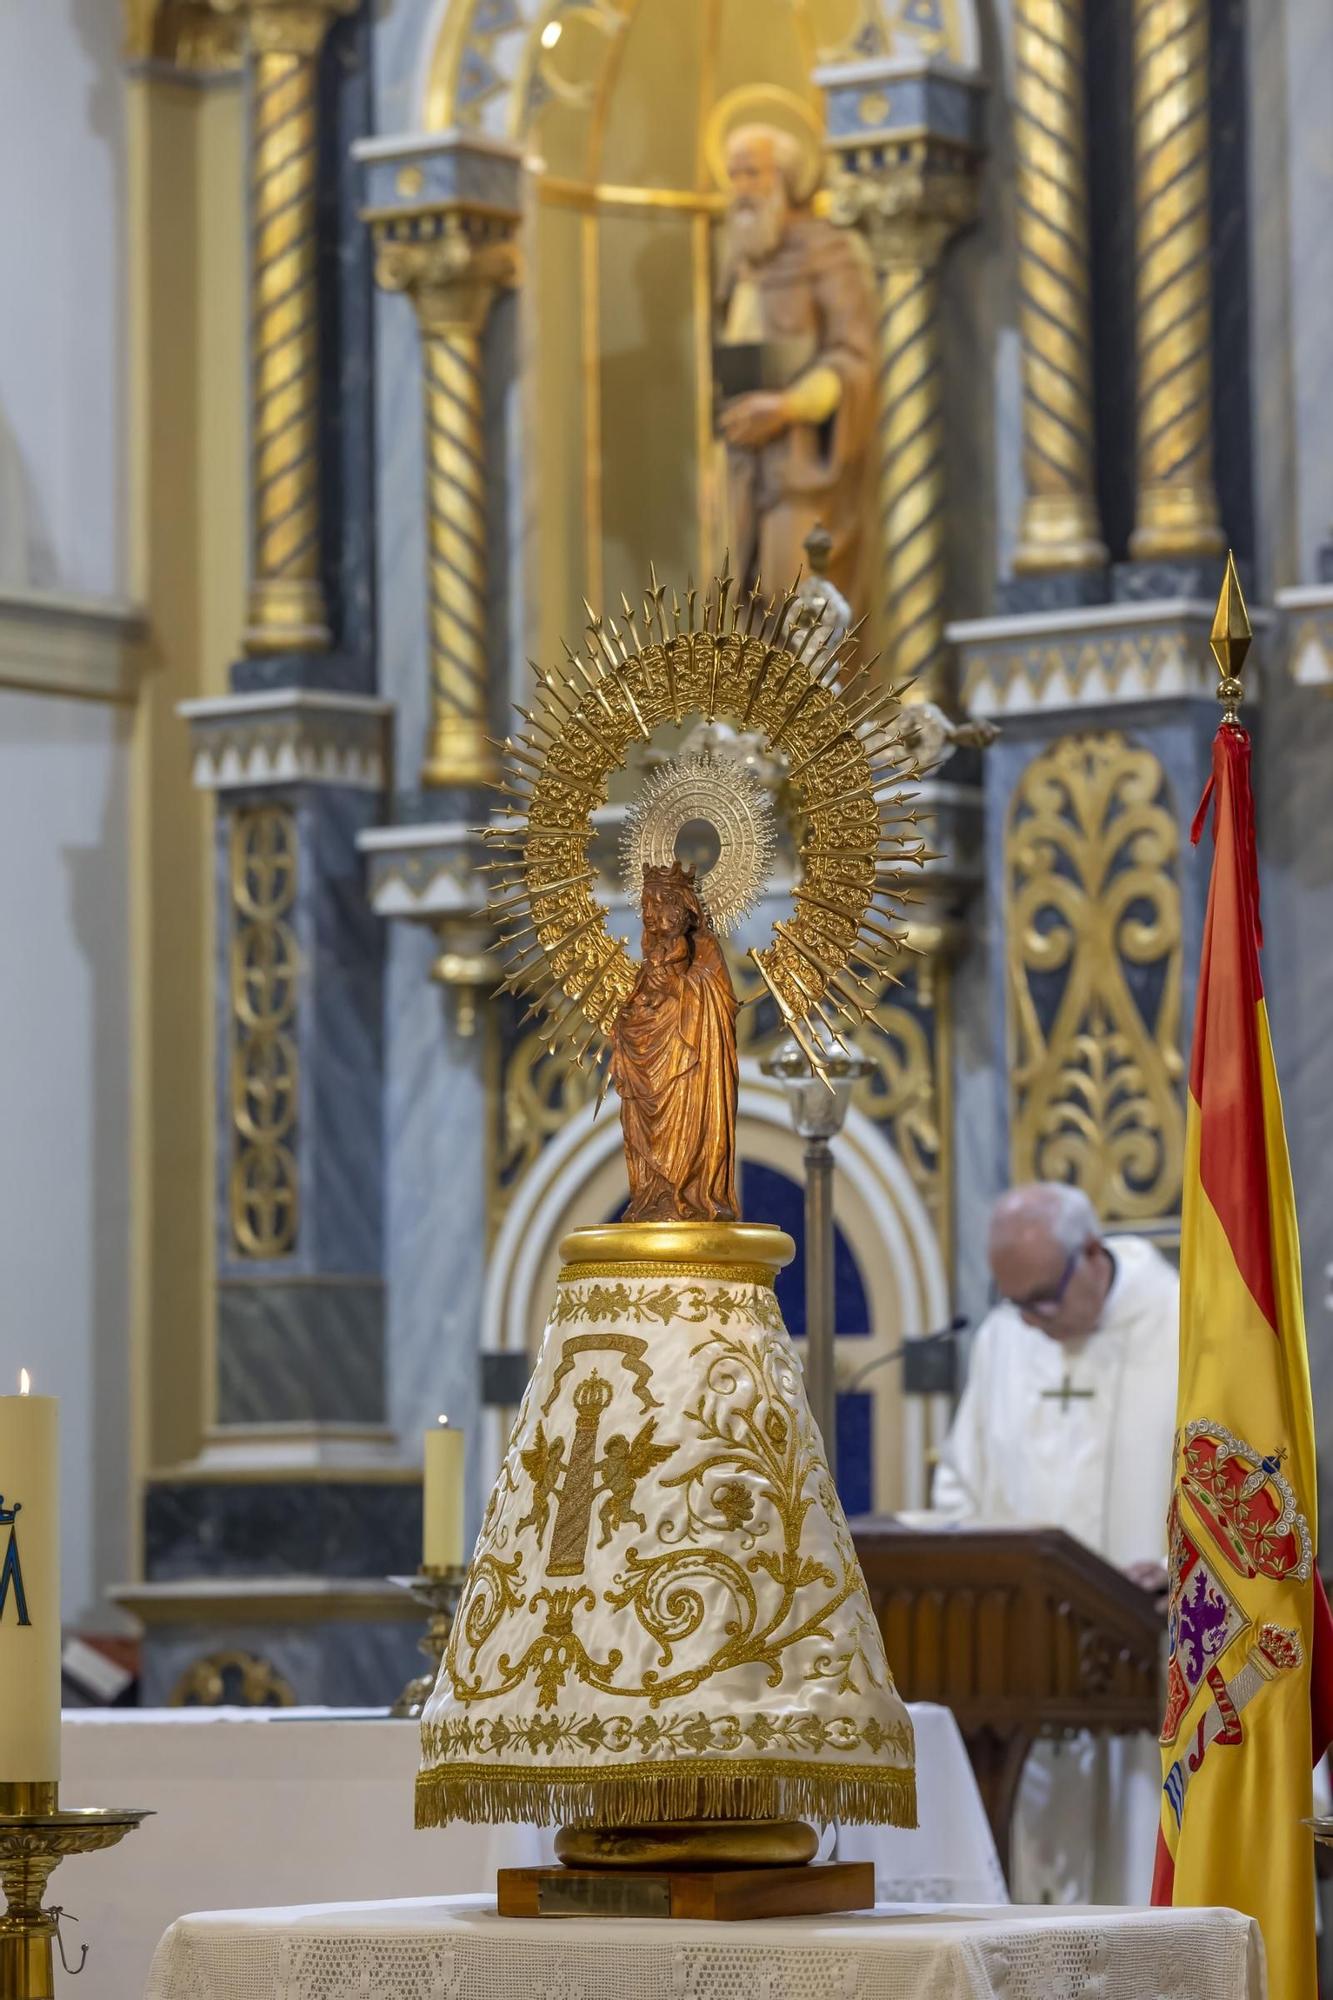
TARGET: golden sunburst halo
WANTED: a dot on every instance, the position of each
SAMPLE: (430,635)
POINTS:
(726,796)
(766,667)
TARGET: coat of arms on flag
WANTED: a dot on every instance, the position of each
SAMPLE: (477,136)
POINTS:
(1233,1516)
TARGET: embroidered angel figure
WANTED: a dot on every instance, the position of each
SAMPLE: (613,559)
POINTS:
(622,1466)
(544,1463)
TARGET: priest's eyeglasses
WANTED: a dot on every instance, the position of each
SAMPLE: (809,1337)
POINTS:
(1049,1300)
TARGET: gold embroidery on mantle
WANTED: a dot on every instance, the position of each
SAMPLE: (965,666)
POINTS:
(691,1732)
(665,1616)
(630,1350)
(752,1304)
(1094,971)
(739,1274)
(748,1447)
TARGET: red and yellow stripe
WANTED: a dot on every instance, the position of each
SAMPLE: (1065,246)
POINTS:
(1243,1366)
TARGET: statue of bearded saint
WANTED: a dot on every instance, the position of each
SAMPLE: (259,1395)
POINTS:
(673,1061)
(796,299)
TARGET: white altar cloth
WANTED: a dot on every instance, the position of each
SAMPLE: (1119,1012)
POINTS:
(294,1806)
(456,1948)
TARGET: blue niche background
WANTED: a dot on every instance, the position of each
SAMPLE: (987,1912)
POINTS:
(770,1196)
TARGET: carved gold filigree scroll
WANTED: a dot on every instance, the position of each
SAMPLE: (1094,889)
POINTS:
(264,1193)
(1094,967)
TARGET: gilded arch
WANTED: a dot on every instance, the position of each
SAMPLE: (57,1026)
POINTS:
(484,69)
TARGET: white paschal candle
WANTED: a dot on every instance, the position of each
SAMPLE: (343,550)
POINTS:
(442,1498)
(29,1589)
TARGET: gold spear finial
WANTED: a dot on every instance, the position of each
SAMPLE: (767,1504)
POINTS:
(1230,640)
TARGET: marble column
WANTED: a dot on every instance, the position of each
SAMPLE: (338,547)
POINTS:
(444,214)
(287,611)
(1061,556)
(1176,512)
(904,143)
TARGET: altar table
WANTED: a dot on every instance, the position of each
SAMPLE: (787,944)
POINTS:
(456,1948)
(292,1806)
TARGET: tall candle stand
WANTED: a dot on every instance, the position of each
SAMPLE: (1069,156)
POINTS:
(36,1835)
(438,1592)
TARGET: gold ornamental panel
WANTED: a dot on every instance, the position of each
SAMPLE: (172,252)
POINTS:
(264,1064)
(1092,923)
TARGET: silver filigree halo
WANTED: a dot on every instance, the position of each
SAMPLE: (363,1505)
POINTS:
(738,807)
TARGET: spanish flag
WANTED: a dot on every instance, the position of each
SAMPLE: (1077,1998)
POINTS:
(1250,1675)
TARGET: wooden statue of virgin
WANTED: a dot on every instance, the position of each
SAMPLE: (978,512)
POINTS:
(673,1062)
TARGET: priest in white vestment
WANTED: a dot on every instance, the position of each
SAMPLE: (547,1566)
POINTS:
(1067,1420)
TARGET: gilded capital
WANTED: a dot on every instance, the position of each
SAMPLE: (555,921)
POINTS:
(449,262)
(286,27)
(190,35)
(906,212)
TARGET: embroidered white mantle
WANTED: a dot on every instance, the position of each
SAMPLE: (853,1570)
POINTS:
(665,1617)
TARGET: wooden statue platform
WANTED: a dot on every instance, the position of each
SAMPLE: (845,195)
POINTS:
(1021,1632)
(703,1895)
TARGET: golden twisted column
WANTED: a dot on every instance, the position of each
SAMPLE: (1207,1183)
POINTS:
(908,215)
(1176,511)
(911,464)
(451,264)
(286,610)
(1060,528)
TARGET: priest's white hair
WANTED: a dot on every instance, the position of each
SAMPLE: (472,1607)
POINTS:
(1065,1211)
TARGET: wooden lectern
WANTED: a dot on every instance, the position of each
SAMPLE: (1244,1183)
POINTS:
(1022,1632)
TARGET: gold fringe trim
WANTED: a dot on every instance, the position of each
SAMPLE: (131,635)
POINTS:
(736,1274)
(649,1794)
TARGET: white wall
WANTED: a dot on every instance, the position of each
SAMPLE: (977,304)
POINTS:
(65,1107)
(62,324)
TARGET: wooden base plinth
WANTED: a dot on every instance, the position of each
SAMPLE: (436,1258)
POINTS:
(724,1895)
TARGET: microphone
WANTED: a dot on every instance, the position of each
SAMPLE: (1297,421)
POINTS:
(958,1324)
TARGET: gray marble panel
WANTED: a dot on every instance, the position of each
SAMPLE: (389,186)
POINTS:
(1267,218)
(347,336)
(435,1137)
(1194,579)
(300,1351)
(1294,755)
(1304,120)
(400,529)
(865,100)
(1233,288)
(979,355)
(1063,590)
(504,508)
(403,33)
(1108,28)
(341,1039)
(273,1528)
(334,1664)
(980,1167)
(452,169)
(335,672)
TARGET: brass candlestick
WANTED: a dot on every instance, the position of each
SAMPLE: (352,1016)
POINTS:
(35,1837)
(438,1590)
